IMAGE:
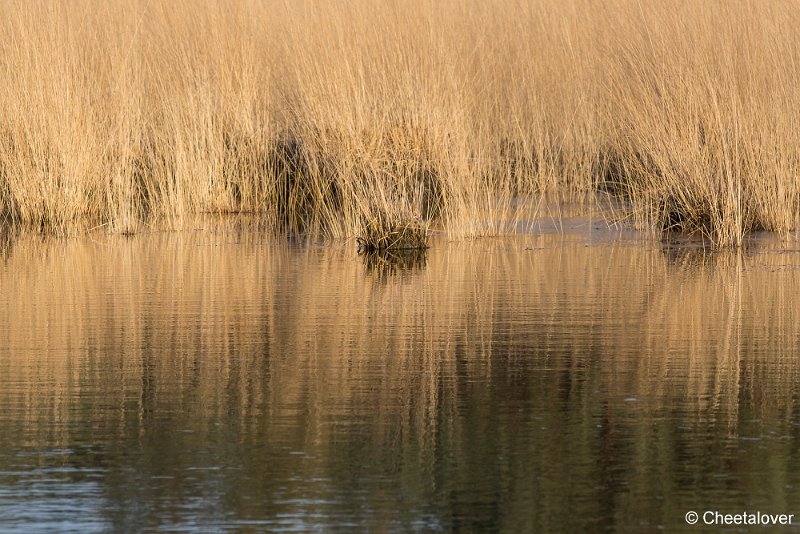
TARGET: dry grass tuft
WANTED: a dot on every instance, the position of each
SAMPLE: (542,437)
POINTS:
(380,235)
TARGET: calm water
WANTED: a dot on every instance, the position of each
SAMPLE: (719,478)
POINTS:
(576,381)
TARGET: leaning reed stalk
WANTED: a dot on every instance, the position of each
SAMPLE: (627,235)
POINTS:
(321,116)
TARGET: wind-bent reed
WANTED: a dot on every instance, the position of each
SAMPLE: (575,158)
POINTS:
(321,115)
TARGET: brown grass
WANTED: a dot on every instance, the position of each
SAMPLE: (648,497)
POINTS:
(321,115)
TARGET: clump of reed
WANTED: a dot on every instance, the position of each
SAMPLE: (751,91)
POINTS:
(317,116)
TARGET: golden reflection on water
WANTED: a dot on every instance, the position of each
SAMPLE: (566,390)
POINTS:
(484,378)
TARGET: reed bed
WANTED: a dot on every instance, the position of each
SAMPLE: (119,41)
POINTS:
(322,116)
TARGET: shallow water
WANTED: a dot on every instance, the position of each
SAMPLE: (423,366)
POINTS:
(572,379)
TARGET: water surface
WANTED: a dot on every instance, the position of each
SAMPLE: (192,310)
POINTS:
(570,380)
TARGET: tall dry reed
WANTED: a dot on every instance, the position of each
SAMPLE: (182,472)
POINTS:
(324,116)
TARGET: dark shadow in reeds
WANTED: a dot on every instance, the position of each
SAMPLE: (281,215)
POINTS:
(432,193)
(657,198)
(292,202)
(610,174)
(305,187)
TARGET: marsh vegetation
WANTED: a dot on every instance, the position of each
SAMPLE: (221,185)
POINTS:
(323,116)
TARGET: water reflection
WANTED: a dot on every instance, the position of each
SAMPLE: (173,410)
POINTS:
(386,264)
(210,380)
(6,242)
(690,255)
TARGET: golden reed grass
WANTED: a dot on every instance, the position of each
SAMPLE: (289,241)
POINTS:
(323,115)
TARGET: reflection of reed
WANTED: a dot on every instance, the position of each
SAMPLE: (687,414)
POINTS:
(6,242)
(686,256)
(383,264)
(277,349)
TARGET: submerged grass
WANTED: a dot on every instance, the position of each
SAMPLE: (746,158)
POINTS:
(324,116)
